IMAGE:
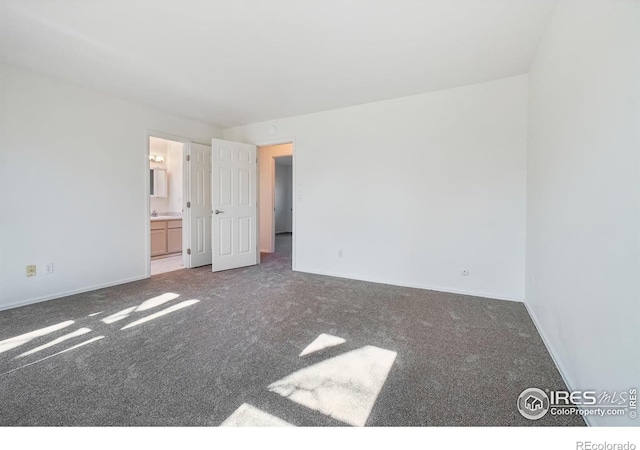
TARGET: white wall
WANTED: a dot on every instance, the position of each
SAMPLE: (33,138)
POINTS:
(283,198)
(583,217)
(413,190)
(73,185)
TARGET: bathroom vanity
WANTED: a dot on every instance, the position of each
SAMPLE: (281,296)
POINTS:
(166,235)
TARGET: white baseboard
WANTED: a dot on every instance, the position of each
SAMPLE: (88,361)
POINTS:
(81,290)
(556,360)
(428,287)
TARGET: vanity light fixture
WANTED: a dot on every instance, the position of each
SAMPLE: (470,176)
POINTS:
(156,158)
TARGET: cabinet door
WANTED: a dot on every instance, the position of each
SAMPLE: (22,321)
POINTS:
(159,242)
(174,240)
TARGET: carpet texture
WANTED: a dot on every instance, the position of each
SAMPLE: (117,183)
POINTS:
(222,340)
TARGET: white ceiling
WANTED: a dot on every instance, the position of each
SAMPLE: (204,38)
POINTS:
(234,62)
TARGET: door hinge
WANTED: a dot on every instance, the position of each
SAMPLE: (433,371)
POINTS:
(188,157)
(188,204)
(188,251)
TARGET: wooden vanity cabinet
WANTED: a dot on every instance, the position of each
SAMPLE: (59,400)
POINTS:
(158,237)
(166,237)
(174,236)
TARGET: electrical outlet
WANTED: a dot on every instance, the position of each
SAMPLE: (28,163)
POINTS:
(340,253)
(48,268)
(31,270)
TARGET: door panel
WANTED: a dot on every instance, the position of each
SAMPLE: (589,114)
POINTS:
(234,226)
(244,238)
(226,236)
(200,210)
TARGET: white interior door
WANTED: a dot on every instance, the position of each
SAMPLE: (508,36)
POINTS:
(234,222)
(199,205)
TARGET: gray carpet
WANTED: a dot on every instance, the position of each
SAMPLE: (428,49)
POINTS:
(460,360)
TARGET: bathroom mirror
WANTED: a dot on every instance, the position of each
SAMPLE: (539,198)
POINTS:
(158,182)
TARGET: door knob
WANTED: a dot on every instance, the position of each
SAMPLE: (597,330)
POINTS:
(217,211)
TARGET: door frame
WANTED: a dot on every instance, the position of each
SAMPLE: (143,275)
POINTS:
(185,184)
(272,184)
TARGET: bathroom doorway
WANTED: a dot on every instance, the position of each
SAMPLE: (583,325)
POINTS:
(166,204)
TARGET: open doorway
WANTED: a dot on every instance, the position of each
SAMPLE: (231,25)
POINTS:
(166,187)
(276,220)
(283,204)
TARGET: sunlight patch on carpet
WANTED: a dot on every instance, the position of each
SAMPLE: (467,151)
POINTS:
(164,312)
(250,416)
(120,315)
(321,342)
(76,333)
(157,301)
(147,304)
(82,344)
(17,341)
(344,387)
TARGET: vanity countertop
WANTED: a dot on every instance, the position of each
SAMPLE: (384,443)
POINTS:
(165,217)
